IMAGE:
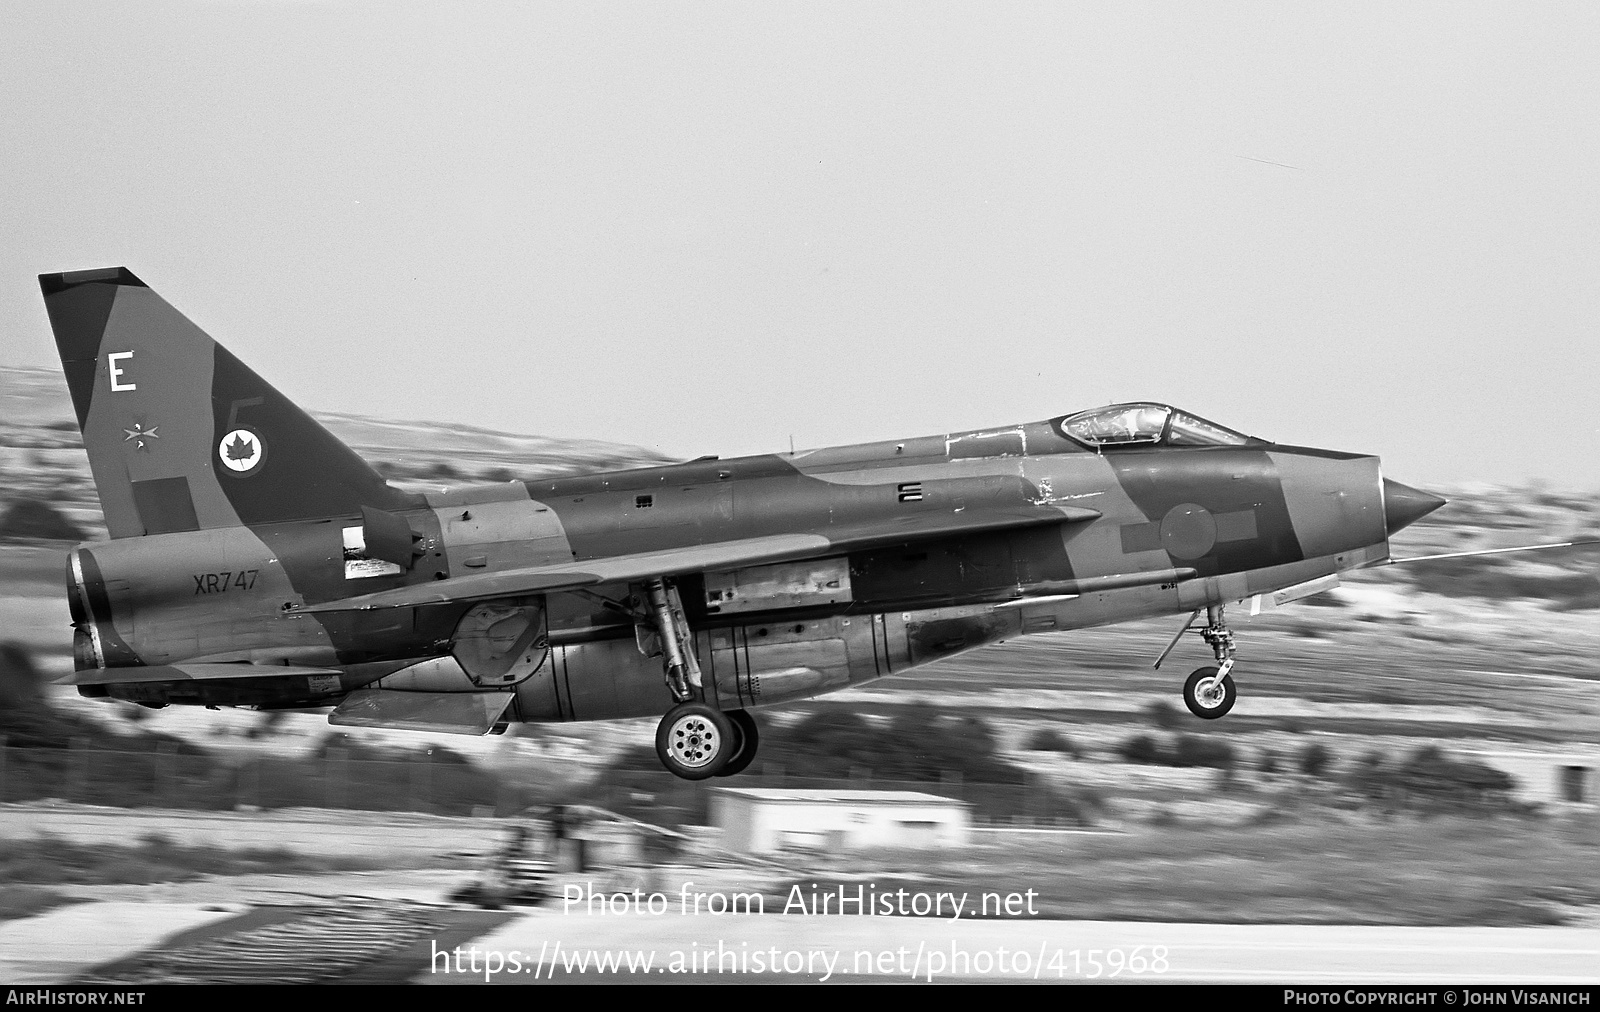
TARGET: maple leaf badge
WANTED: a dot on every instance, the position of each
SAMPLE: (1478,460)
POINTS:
(241,451)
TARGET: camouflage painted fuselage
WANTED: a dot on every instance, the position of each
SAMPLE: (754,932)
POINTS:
(233,514)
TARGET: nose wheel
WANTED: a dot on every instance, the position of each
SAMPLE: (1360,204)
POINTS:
(1208,692)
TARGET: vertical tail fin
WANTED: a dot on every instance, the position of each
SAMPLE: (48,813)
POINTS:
(181,435)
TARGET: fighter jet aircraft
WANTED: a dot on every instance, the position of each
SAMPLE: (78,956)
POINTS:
(255,560)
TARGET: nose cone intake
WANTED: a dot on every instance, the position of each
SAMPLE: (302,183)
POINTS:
(1404,505)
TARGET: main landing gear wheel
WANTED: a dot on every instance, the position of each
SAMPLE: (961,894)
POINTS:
(1207,695)
(744,727)
(696,741)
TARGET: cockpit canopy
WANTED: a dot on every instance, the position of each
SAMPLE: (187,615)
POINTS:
(1150,424)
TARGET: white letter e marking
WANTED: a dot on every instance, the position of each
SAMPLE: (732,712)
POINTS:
(111,363)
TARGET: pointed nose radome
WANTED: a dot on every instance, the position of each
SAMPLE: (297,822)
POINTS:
(1404,505)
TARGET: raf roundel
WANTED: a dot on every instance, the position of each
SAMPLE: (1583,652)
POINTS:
(241,451)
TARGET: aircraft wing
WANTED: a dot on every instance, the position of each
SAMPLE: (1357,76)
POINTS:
(719,555)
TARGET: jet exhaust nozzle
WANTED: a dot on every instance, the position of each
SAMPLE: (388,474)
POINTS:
(1404,505)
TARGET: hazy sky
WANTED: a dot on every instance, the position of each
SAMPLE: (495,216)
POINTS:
(708,227)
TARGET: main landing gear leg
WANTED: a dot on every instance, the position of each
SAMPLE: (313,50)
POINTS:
(677,641)
(1209,692)
(695,740)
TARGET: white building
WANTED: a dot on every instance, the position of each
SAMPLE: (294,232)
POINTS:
(761,820)
(1548,778)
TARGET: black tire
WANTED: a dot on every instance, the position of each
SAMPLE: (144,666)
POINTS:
(744,725)
(1212,705)
(694,741)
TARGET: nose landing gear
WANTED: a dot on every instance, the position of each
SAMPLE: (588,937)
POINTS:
(1208,692)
